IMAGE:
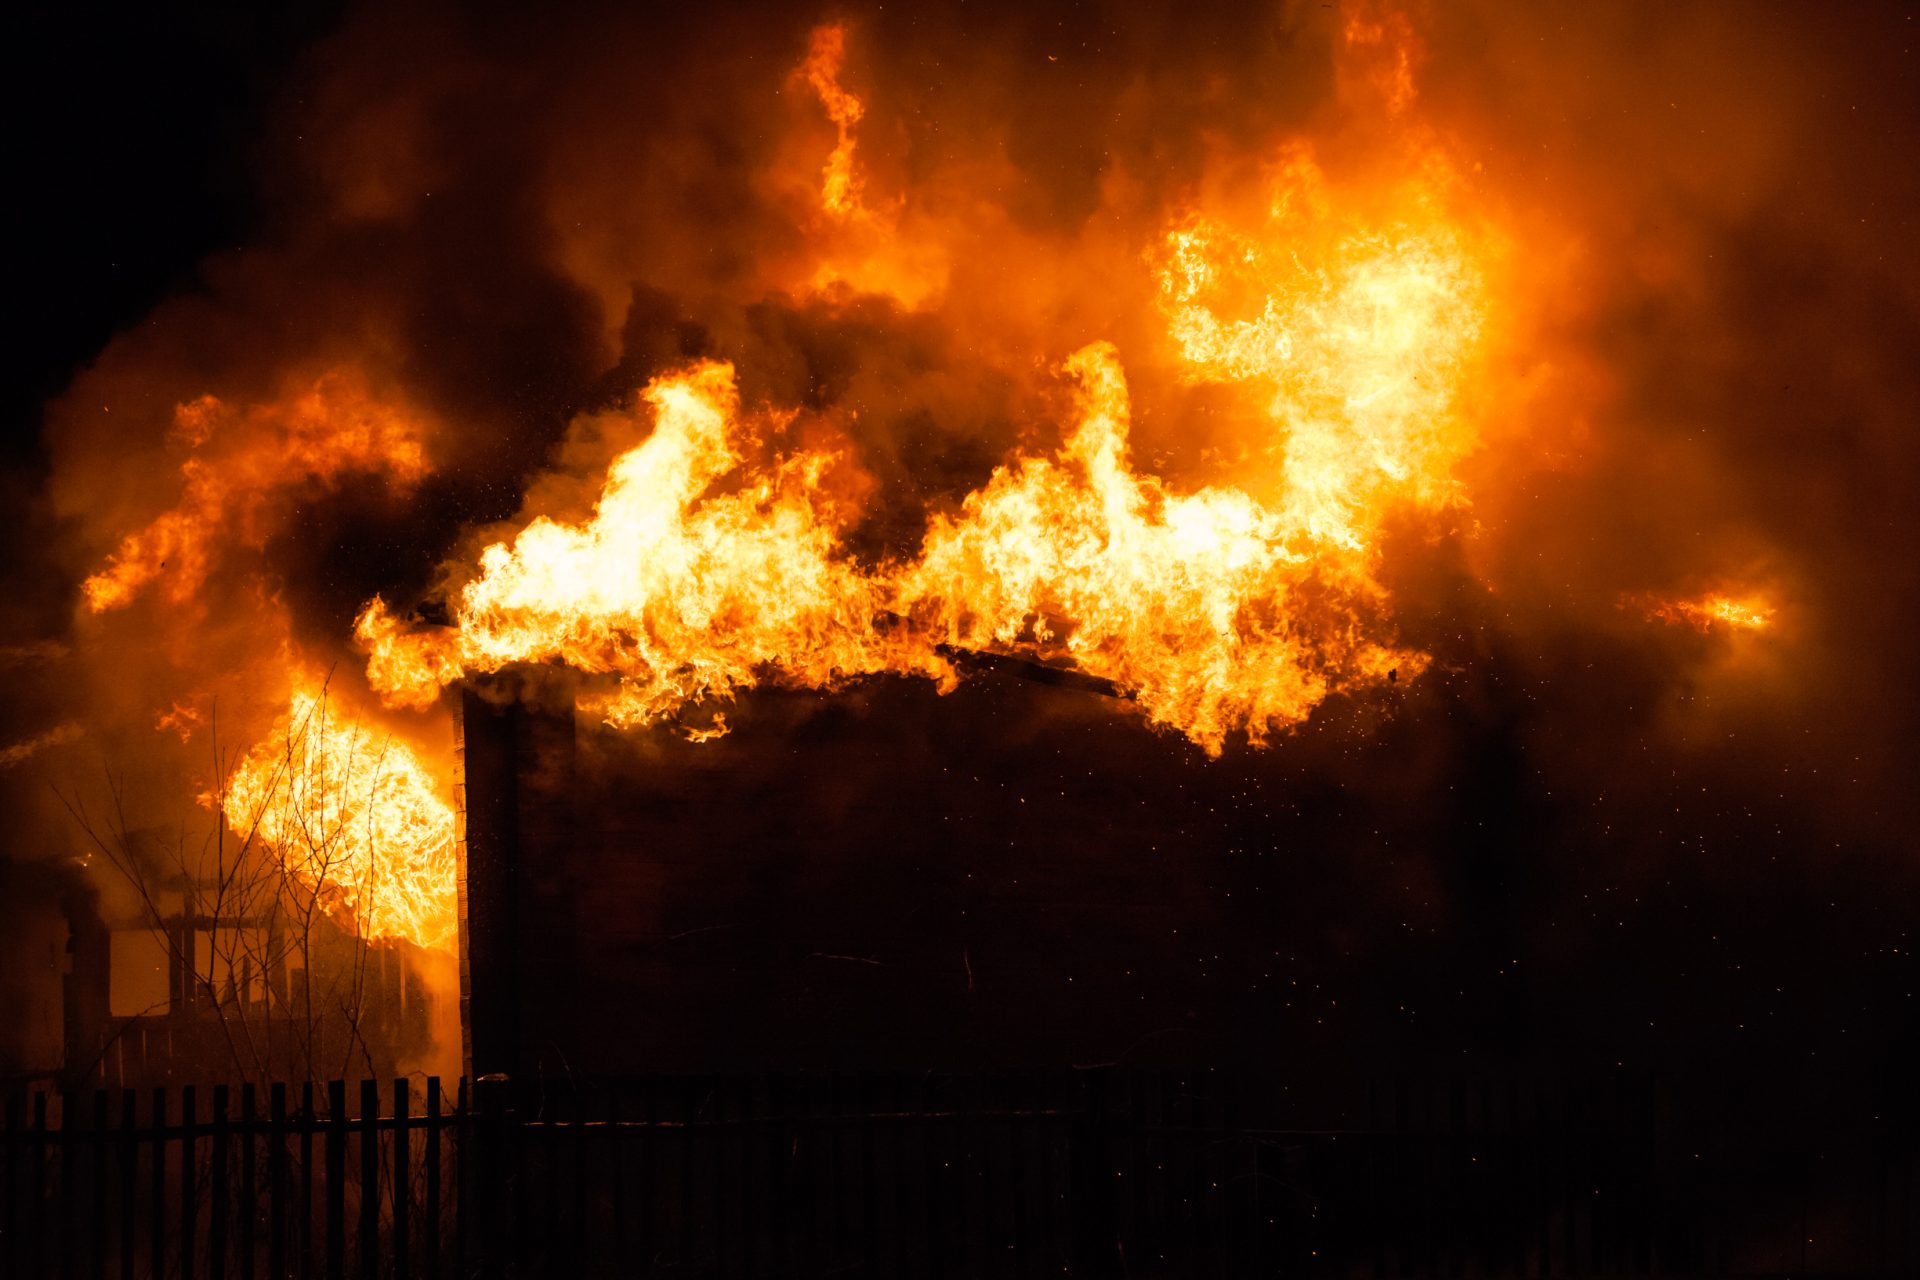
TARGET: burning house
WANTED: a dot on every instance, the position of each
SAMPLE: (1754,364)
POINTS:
(1358,548)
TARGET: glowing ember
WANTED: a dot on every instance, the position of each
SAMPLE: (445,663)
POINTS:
(353,814)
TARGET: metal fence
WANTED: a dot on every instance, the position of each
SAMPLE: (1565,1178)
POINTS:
(1091,1173)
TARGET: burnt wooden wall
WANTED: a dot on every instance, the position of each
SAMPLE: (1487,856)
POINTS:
(1010,874)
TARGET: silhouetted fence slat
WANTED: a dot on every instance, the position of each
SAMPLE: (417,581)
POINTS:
(1094,1173)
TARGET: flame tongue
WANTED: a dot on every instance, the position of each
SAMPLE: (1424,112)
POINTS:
(1184,600)
(682,591)
(353,815)
(686,588)
(335,428)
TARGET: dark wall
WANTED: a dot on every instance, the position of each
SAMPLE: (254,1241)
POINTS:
(1011,874)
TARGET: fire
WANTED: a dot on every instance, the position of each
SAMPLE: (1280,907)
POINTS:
(700,574)
(1716,610)
(1202,605)
(354,815)
(237,459)
(715,560)
(1362,347)
(1382,54)
(678,588)
(840,184)
(860,246)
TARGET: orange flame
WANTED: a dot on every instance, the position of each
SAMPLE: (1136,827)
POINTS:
(1363,344)
(332,429)
(699,574)
(678,592)
(712,563)
(1382,53)
(1198,604)
(840,183)
(1750,612)
(354,815)
(861,246)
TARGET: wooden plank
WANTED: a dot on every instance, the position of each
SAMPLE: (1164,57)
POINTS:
(37,1173)
(577,1231)
(61,1212)
(649,1143)
(277,1180)
(97,1235)
(249,1180)
(432,1205)
(370,1179)
(129,1152)
(616,1176)
(189,1179)
(402,1182)
(463,1214)
(9,1186)
(546,1109)
(686,1101)
(157,1188)
(307,1118)
(336,1178)
(517,1185)
(217,1205)
(481,1205)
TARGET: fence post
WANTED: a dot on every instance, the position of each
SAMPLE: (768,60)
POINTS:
(37,1205)
(308,1118)
(97,1172)
(336,1179)
(9,1189)
(249,1181)
(217,1205)
(1092,1179)
(189,1178)
(463,1188)
(490,1172)
(157,1187)
(401,1183)
(64,1212)
(277,1181)
(433,1224)
(370,1179)
(129,1158)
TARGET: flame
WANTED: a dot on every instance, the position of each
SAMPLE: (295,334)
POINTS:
(1381,55)
(1746,612)
(183,718)
(332,429)
(714,561)
(840,184)
(353,814)
(1202,605)
(1362,346)
(700,574)
(678,588)
(860,247)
